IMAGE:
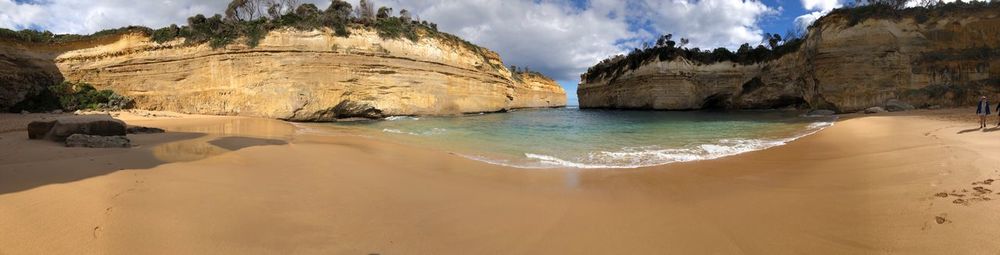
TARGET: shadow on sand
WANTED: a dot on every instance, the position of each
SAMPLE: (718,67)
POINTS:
(992,129)
(235,143)
(969,130)
(38,163)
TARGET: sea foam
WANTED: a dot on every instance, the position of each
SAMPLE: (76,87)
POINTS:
(390,118)
(434,131)
(644,156)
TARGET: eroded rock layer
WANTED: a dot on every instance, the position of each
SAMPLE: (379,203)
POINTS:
(305,76)
(947,60)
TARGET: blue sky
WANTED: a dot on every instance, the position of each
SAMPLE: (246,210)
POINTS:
(560,38)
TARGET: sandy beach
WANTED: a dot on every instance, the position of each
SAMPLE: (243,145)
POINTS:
(871,184)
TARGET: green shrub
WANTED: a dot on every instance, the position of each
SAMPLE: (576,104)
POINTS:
(394,28)
(26,35)
(166,34)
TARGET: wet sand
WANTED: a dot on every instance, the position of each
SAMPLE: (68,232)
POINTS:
(227,185)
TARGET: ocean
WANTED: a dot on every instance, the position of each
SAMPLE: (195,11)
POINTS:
(571,137)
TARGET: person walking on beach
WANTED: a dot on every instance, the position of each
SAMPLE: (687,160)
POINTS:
(998,114)
(983,110)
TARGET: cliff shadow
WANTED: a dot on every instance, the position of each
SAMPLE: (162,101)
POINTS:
(28,164)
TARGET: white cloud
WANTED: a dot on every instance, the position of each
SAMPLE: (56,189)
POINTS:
(82,16)
(708,23)
(817,9)
(814,5)
(549,36)
(560,38)
(803,22)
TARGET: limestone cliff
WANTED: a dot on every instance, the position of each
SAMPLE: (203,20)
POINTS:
(946,60)
(298,75)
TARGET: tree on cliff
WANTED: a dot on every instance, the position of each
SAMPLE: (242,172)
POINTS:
(366,11)
(404,15)
(243,10)
(307,11)
(339,10)
(664,41)
(895,4)
(772,40)
(384,13)
(277,8)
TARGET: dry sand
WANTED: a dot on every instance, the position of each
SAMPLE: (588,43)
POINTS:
(229,185)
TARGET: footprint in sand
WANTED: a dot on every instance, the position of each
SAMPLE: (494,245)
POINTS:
(981,191)
(942,218)
(985,182)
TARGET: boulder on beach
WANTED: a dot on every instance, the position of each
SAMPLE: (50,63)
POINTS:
(96,141)
(38,129)
(894,105)
(875,109)
(143,130)
(63,127)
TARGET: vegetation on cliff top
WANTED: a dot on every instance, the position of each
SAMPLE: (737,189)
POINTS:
(252,19)
(34,36)
(772,47)
(518,73)
(897,10)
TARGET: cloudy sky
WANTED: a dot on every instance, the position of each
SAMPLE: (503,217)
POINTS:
(559,38)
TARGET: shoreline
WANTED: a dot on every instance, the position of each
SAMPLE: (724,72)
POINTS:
(724,147)
(868,184)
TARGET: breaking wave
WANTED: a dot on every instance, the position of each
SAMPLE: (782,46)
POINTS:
(634,157)
(401,118)
(434,131)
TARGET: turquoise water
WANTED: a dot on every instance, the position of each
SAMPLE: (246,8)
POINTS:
(570,137)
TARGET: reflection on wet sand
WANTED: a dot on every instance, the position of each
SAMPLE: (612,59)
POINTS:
(222,137)
(243,127)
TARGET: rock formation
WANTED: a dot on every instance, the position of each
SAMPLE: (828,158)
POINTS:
(946,59)
(61,128)
(291,75)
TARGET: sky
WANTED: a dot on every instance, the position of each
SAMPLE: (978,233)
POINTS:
(559,38)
